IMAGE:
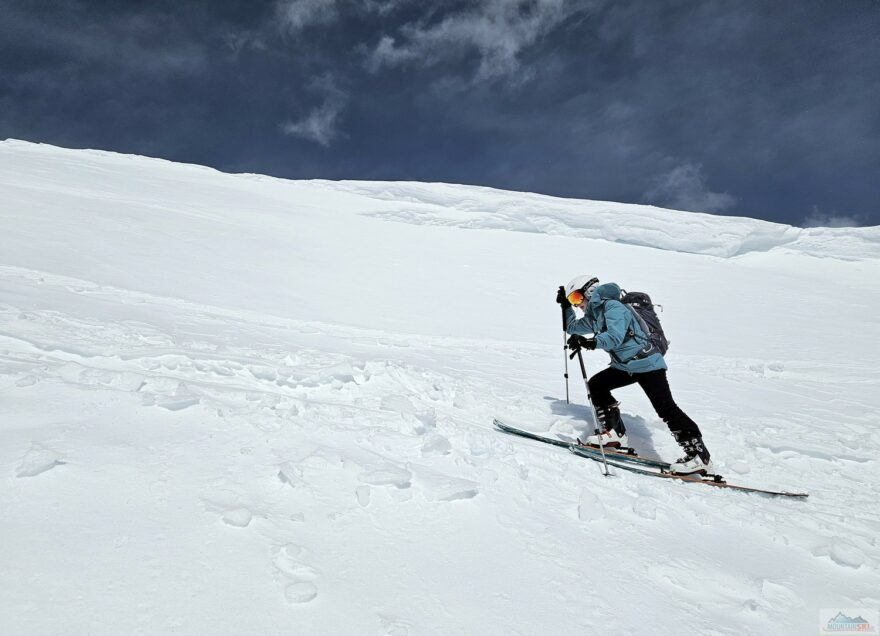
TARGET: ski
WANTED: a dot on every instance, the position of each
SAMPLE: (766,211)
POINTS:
(641,465)
(709,480)
(626,456)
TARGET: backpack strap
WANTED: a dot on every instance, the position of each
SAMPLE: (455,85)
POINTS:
(647,350)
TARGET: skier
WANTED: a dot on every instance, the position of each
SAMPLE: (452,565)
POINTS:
(613,327)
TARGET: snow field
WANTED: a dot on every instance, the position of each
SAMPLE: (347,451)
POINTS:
(206,402)
(233,404)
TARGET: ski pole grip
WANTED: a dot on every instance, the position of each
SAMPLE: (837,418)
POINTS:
(561,306)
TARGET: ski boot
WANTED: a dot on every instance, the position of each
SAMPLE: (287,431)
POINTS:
(696,460)
(613,431)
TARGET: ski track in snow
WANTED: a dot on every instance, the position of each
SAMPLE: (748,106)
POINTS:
(180,466)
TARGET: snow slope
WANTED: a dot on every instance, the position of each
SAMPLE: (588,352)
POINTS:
(233,404)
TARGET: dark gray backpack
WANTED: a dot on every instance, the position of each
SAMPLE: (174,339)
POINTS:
(643,309)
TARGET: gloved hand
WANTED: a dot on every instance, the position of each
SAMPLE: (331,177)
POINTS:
(561,299)
(579,342)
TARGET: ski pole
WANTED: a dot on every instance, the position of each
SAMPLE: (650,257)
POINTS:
(593,411)
(565,354)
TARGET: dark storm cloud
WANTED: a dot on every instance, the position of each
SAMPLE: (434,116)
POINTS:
(66,37)
(766,109)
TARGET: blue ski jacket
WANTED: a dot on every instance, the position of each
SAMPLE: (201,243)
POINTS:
(617,330)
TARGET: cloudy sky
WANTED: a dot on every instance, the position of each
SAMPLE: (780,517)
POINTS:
(763,108)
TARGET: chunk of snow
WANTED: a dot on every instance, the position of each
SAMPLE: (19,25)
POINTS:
(436,487)
(436,444)
(238,517)
(427,420)
(177,402)
(37,460)
(843,552)
(388,475)
(397,403)
(290,473)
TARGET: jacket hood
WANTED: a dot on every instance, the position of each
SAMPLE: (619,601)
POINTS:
(608,291)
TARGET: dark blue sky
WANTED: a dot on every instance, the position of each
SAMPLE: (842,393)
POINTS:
(766,108)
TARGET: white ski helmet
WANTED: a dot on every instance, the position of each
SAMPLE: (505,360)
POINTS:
(585,283)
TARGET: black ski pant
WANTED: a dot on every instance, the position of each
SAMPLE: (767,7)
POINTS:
(655,386)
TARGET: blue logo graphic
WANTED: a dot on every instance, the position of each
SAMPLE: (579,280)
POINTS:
(843,624)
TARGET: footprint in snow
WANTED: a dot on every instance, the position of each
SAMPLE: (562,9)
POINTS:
(393,626)
(645,508)
(27,380)
(74,373)
(302,592)
(297,578)
(590,507)
(363,495)
(739,466)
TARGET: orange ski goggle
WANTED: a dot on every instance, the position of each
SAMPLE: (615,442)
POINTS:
(576,297)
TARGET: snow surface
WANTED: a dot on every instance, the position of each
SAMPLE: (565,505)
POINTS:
(234,404)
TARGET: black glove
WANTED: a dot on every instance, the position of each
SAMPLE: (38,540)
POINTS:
(579,342)
(561,298)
